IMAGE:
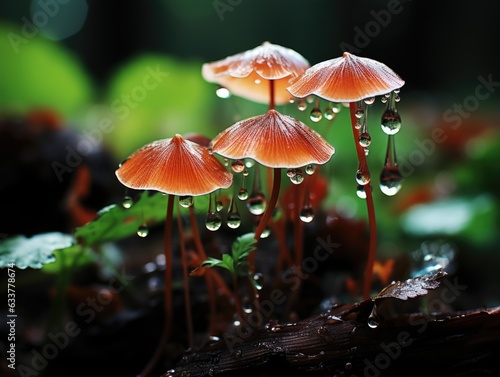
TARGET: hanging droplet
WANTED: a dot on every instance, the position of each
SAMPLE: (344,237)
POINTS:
(265,233)
(383,99)
(310,169)
(243,194)
(365,139)
(258,279)
(257,81)
(245,172)
(257,203)
(307,214)
(222,92)
(291,100)
(302,104)
(369,101)
(359,112)
(362,177)
(310,99)
(298,178)
(291,172)
(236,322)
(238,166)
(143,230)
(219,206)
(249,163)
(391,122)
(373,319)
(328,113)
(127,202)
(391,180)
(233,220)
(360,191)
(316,114)
(246,304)
(186,201)
(336,107)
(358,125)
(213,221)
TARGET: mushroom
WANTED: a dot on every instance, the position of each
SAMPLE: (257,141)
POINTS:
(242,74)
(276,141)
(177,167)
(354,79)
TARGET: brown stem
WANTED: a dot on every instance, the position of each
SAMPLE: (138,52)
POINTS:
(370,207)
(185,278)
(271,205)
(271,95)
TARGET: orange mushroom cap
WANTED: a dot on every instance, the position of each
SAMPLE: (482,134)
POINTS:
(174,166)
(348,78)
(274,140)
(242,74)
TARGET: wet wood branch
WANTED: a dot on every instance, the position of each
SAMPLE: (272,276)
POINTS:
(340,342)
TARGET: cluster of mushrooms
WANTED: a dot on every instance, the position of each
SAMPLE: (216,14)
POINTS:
(185,167)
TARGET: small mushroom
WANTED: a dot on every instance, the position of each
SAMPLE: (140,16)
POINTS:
(244,74)
(177,167)
(276,141)
(355,80)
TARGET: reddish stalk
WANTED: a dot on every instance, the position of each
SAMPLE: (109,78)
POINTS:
(185,278)
(211,276)
(372,250)
(167,327)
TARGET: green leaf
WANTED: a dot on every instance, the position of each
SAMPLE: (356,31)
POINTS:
(242,246)
(214,262)
(115,222)
(69,258)
(228,262)
(34,252)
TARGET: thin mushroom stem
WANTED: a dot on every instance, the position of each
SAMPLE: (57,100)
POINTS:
(167,326)
(271,95)
(168,263)
(185,278)
(271,205)
(369,204)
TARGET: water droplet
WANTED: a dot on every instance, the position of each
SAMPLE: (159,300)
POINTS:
(143,230)
(258,279)
(360,192)
(348,366)
(310,169)
(291,172)
(310,99)
(213,221)
(391,180)
(233,220)
(245,173)
(249,163)
(397,90)
(316,114)
(369,101)
(363,177)
(186,201)
(307,214)
(257,81)
(265,233)
(336,107)
(238,166)
(236,320)
(328,113)
(391,122)
(383,99)
(302,104)
(358,125)
(292,100)
(247,305)
(257,203)
(219,206)
(243,194)
(365,139)
(397,98)
(373,319)
(222,92)
(359,113)
(298,178)
(127,202)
